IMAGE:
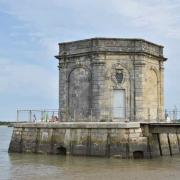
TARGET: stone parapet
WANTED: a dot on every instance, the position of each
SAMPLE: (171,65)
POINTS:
(120,45)
(83,125)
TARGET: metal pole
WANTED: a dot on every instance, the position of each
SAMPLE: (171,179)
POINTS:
(41,116)
(30,116)
(17,115)
(173,114)
(175,109)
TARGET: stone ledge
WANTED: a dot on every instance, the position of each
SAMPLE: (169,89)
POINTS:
(81,125)
(156,124)
(110,45)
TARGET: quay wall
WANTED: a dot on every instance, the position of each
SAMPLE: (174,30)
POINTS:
(162,138)
(88,139)
(108,139)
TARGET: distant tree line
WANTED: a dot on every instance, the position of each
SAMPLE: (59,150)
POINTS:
(5,123)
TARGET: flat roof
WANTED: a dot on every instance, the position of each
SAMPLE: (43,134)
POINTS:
(115,39)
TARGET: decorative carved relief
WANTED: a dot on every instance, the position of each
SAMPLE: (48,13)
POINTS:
(119,75)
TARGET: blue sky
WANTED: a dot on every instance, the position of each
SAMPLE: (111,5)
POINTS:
(30,31)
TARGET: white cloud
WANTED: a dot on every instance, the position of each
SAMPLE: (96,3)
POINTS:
(27,80)
(158,16)
(48,17)
(44,23)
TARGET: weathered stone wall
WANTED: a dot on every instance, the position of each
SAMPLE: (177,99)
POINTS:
(153,84)
(90,139)
(88,78)
(125,140)
(163,139)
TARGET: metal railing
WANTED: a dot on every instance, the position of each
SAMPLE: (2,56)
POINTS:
(172,115)
(94,115)
(46,115)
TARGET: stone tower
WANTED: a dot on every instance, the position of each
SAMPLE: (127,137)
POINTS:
(111,79)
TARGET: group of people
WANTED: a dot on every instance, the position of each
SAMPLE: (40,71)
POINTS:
(46,118)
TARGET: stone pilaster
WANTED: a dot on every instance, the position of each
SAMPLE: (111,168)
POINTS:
(98,89)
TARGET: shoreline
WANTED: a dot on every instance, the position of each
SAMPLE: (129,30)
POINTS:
(3,123)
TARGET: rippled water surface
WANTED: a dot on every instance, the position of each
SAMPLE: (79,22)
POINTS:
(36,167)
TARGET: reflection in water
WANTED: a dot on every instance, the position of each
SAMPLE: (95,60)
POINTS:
(33,166)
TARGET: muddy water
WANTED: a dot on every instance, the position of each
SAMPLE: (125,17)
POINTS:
(46,167)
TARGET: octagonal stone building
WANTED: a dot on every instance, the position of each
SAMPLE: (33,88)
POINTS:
(111,79)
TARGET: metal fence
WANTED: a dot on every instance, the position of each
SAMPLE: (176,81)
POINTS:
(172,115)
(92,115)
(48,115)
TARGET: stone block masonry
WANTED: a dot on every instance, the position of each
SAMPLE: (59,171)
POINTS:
(163,138)
(107,139)
(88,139)
(110,93)
(111,79)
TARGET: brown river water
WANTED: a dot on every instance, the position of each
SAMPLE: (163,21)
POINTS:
(47,167)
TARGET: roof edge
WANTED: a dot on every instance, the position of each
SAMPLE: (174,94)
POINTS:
(108,38)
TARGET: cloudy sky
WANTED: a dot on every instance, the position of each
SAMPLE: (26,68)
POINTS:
(31,29)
